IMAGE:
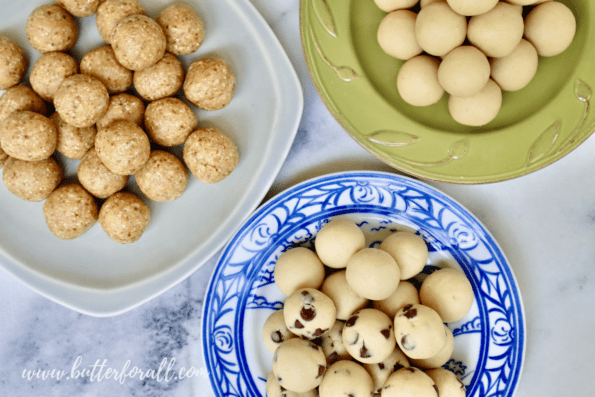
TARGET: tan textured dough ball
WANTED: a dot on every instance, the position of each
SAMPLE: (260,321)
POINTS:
(110,12)
(124,217)
(550,27)
(169,121)
(337,241)
(373,273)
(183,28)
(479,109)
(3,157)
(497,32)
(163,177)
(210,155)
(97,178)
(80,8)
(13,63)
(123,147)
(28,136)
(164,79)
(70,211)
(470,8)
(102,64)
(32,180)
(297,268)
(18,98)
(417,81)
(409,250)
(439,30)
(517,69)
(464,71)
(396,34)
(391,5)
(50,70)
(449,292)
(209,84)
(73,142)
(51,28)
(138,42)
(81,100)
(123,107)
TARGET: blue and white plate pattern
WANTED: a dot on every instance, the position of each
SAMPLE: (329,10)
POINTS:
(489,341)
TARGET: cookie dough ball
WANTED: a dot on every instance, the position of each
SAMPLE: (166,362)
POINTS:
(70,211)
(19,98)
(81,100)
(183,28)
(138,42)
(419,331)
(28,136)
(50,70)
(124,217)
(3,157)
(409,250)
(297,268)
(464,71)
(31,180)
(309,313)
(405,294)
(169,121)
(275,332)
(409,382)
(417,81)
(382,370)
(210,155)
(332,344)
(439,30)
(346,300)
(51,28)
(447,383)
(517,69)
(123,107)
(73,142)
(97,178)
(337,241)
(123,147)
(80,8)
(479,109)
(439,359)
(368,336)
(274,389)
(525,2)
(550,27)
(396,34)
(391,5)
(299,365)
(164,79)
(110,12)
(346,378)
(163,177)
(13,63)
(449,292)
(102,64)
(373,273)
(209,84)
(497,32)
(470,8)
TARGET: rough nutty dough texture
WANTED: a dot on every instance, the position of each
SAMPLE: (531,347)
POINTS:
(417,81)
(51,28)
(337,241)
(50,70)
(373,273)
(368,336)
(275,332)
(81,100)
(479,109)
(296,268)
(550,27)
(409,382)
(32,180)
(70,211)
(3,157)
(470,8)
(346,300)
(97,178)
(346,378)
(391,5)
(439,30)
(169,121)
(464,71)
(124,217)
(110,12)
(138,42)
(73,142)
(449,292)
(299,365)
(123,147)
(396,34)
(13,63)
(409,250)
(441,357)
(163,177)
(517,69)
(164,79)
(80,8)
(274,389)
(28,136)
(18,98)
(102,64)
(405,294)
(123,107)
(419,331)
(210,83)
(382,370)
(497,32)
(447,383)
(210,155)
(332,344)
(183,28)
(309,313)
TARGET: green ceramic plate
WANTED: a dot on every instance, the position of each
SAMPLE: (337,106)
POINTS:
(535,127)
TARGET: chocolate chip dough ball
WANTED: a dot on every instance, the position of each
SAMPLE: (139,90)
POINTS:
(210,83)
(464,71)
(409,250)
(124,217)
(274,389)
(32,180)
(391,5)
(346,378)
(550,27)
(346,300)
(81,100)
(419,331)
(441,357)
(73,142)
(297,268)
(123,107)
(138,42)
(123,147)
(449,292)
(497,32)
(50,70)
(97,178)
(479,109)
(102,64)
(439,30)
(275,332)
(13,63)
(447,383)
(110,12)
(51,28)
(382,370)
(183,28)
(337,241)
(80,8)
(517,69)
(164,79)
(373,273)
(309,313)
(299,365)
(332,344)
(210,155)
(163,177)
(368,336)
(417,81)
(409,382)
(18,98)
(470,8)
(405,294)
(28,136)
(396,34)
(70,211)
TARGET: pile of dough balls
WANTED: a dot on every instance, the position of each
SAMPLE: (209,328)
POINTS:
(472,50)
(99,120)
(353,325)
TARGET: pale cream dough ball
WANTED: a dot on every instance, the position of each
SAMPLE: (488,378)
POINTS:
(417,81)
(51,28)
(346,300)
(470,8)
(209,84)
(479,109)
(517,69)
(409,250)
(368,336)
(464,71)
(525,2)
(373,273)
(18,98)
(309,313)
(50,70)
(449,292)
(391,5)
(164,79)
(424,3)
(97,178)
(396,34)
(409,382)
(297,268)
(441,357)
(32,180)
(210,155)
(346,378)
(382,370)
(124,217)
(274,389)
(183,28)
(439,30)
(299,365)
(80,8)
(123,107)
(550,27)
(497,32)
(447,383)
(73,142)
(419,331)
(406,294)
(275,332)
(81,100)
(169,121)
(337,241)
(70,211)
(123,147)
(110,12)
(332,344)
(163,177)
(13,63)
(28,136)
(138,42)
(102,64)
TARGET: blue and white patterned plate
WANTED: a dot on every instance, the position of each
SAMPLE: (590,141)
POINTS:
(489,341)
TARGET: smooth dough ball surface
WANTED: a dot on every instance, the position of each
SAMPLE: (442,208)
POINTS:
(332,344)
(124,217)
(470,8)
(396,34)
(32,180)
(346,378)
(110,12)
(497,32)
(73,142)
(164,79)
(346,300)
(405,294)
(337,241)
(391,5)
(29,136)
(209,84)
(51,28)
(80,8)
(81,100)
(479,109)
(210,155)
(464,71)
(70,211)
(550,27)
(419,331)
(18,98)
(138,42)
(183,28)
(13,63)
(297,268)
(102,64)
(409,382)
(368,336)
(123,147)
(382,370)
(274,389)
(299,365)
(123,107)
(373,273)
(417,81)
(163,177)
(50,70)
(309,313)
(409,250)
(447,383)
(441,357)
(517,69)
(97,178)
(449,292)
(275,332)
(439,30)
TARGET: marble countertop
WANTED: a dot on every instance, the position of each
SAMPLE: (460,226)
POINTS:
(544,222)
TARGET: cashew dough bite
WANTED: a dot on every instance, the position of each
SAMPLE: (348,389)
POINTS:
(297,268)
(417,81)
(368,336)
(337,241)
(299,365)
(396,34)
(516,70)
(419,331)
(479,109)
(309,313)
(439,30)
(550,27)
(464,71)
(497,32)
(13,63)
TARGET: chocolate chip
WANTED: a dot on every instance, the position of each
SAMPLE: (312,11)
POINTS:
(381,366)
(317,341)
(281,387)
(410,313)
(397,367)
(410,369)
(314,346)
(298,324)
(321,370)
(407,343)
(277,336)
(462,384)
(351,321)
(350,395)
(308,313)
(320,332)
(386,333)
(332,358)
(437,391)
(305,293)
(279,380)
(364,352)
